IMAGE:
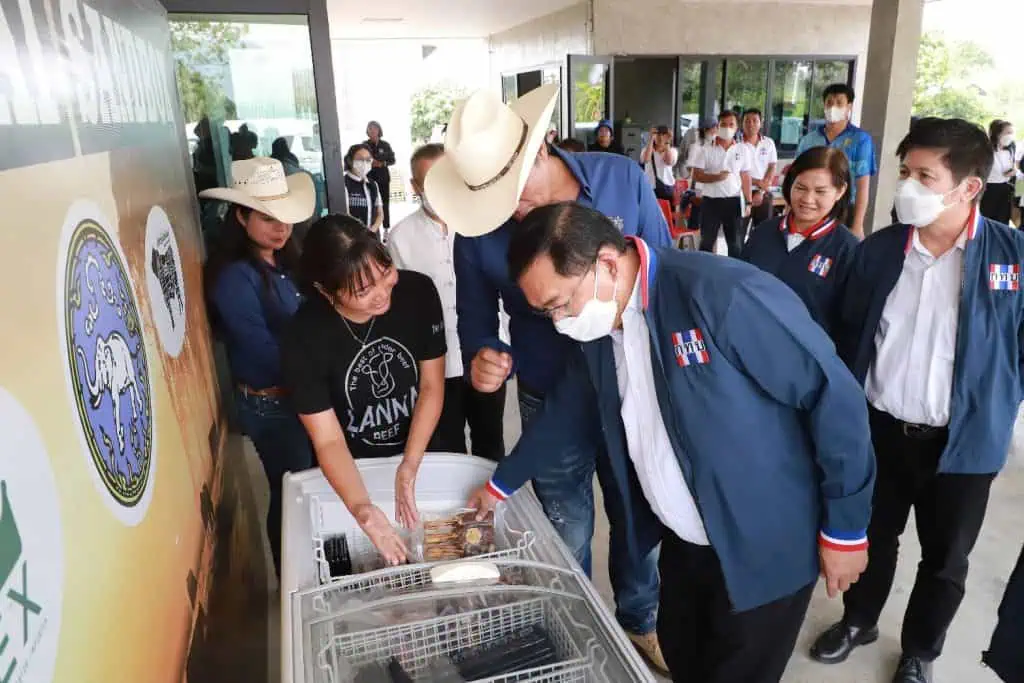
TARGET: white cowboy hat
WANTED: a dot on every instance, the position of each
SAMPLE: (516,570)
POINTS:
(490,149)
(260,183)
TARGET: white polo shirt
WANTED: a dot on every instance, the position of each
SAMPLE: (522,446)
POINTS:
(657,167)
(761,156)
(420,243)
(714,158)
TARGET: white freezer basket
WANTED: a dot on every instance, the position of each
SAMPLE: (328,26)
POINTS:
(325,632)
(421,644)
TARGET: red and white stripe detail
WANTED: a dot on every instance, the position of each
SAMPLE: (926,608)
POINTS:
(496,491)
(822,228)
(842,545)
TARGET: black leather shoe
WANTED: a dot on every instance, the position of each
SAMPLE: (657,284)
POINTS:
(913,670)
(835,645)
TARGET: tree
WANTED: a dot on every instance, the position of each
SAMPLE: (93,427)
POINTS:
(432,106)
(946,75)
(200,46)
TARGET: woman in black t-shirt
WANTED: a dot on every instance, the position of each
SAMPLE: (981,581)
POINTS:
(363,360)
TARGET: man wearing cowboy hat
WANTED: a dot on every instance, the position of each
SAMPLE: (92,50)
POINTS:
(497,169)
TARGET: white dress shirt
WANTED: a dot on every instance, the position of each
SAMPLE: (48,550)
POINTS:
(1002,162)
(654,459)
(420,243)
(761,156)
(713,158)
(912,375)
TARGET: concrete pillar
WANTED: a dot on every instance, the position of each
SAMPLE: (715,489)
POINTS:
(889,94)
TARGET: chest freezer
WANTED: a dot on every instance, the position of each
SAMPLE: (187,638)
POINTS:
(537,619)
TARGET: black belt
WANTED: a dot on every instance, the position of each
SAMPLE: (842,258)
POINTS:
(912,430)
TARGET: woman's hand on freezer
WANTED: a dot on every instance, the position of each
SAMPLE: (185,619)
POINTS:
(376,525)
(405,494)
(482,501)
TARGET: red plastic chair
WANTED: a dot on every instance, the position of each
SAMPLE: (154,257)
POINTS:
(670,218)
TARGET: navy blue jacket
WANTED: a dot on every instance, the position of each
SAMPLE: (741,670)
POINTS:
(252,308)
(770,428)
(612,184)
(815,270)
(987,373)
(1005,655)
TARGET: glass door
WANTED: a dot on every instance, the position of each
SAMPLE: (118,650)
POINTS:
(591,81)
(247,90)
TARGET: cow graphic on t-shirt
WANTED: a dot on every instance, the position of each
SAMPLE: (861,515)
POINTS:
(381,386)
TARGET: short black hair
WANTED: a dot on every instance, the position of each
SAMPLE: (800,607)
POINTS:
(572,145)
(570,233)
(338,254)
(966,148)
(838,89)
(427,152)
(830,159)
(753,110)
(727,113)
(351,154)
(372,124)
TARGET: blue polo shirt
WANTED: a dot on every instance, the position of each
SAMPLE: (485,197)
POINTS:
(612,184)
(855,142)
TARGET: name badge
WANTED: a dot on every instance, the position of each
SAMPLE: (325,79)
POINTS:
(1004,277)
(820,265)
(690,348)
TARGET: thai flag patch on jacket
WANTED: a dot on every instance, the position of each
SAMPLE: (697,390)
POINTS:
(1004,277)
(820,265)
(690,348)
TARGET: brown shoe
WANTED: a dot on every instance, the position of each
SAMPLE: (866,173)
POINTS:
(647,645)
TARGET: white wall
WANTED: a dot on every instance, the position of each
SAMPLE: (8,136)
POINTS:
(650,27)
(541,41)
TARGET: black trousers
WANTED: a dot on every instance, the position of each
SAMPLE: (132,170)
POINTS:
(997,202)
(726,214)
(948,510)
(485,414)
(703,639)
(1005,655)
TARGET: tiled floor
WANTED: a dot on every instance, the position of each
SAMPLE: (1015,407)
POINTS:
(993,559)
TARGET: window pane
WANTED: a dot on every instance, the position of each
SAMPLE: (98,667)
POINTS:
(247,90)
(746,84)
(589,99)
(790,103)
(509,91)
(719,91)
(553,74)
(689,97)
(825,74)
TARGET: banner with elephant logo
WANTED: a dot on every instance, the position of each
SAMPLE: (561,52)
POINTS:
(110,472)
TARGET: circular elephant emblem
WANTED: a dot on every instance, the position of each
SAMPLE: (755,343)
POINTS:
(108,368)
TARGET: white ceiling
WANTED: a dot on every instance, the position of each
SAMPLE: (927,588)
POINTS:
(367,19)
(384,19)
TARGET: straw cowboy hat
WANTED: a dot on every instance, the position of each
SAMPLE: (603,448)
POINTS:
(489,151)
(260,183)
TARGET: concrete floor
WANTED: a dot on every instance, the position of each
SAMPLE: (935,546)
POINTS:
(992,561)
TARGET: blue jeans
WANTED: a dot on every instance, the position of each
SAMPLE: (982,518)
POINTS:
(282,445)
(567,495)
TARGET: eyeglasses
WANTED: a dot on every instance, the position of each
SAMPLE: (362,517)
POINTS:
(563,309)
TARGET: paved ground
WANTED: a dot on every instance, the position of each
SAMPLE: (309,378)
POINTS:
(993,559)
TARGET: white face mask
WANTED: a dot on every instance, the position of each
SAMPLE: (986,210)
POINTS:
(361,167)
(918,205)
(596,320)
(835,114)
(1006,140)
(726,134)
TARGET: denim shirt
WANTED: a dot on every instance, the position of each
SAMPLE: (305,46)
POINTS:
(612,184)
(252,308)
(855,142)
